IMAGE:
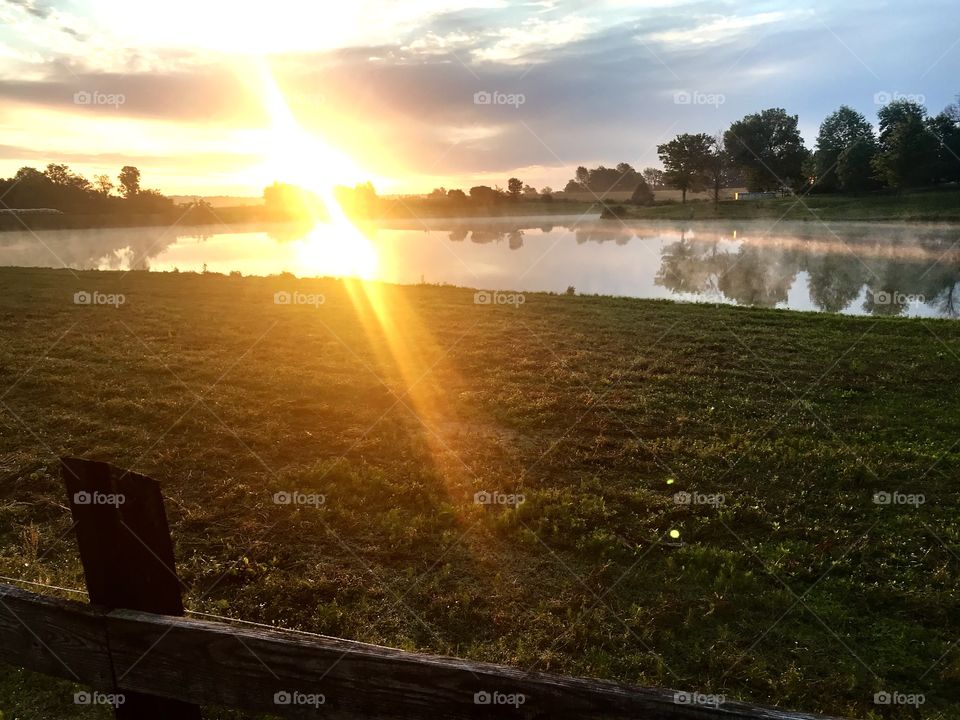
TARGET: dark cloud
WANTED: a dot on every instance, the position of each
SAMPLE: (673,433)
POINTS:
(37,9)
(206,94)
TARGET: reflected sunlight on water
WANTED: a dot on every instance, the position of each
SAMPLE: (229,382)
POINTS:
(854,268)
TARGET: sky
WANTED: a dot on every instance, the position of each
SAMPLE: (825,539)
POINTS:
(425,93)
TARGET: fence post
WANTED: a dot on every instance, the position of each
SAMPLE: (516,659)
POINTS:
(127,557)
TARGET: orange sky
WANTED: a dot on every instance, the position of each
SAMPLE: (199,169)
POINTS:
(418,94)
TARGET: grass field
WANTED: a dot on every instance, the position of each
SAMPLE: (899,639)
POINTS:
(399,404)
(934,205)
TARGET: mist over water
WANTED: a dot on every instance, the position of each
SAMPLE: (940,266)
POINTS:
(853,268)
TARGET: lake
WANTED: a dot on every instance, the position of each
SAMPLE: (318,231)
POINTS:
(853,268)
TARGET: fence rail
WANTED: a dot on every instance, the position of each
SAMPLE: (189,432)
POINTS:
(256,670)
(133,641)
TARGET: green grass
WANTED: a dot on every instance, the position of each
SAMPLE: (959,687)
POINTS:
(934,205)
(588,406)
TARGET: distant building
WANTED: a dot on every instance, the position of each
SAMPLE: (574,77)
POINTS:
(756,196)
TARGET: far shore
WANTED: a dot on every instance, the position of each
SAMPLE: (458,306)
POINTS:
(939,205)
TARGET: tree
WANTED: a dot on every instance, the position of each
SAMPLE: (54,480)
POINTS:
(546,190)
(642,194)
(514,188)
(686,159)
(654,177)
(29,174)
(945,127)
(484,194)
(456,195)
(768,148)
(855,171)
(908,150)
(129,178)
(839,132)
(58,174)
(102,184)
(529,191)
(583,177)
(151,202)
(573,187)
(717,167)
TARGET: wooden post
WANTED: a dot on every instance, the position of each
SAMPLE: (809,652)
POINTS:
(127,557)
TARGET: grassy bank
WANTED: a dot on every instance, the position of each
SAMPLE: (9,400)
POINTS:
(796,589)
(936,205)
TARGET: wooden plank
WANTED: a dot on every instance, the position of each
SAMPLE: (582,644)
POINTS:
(214,663)
(55,637)
(124,539)
(218,664)
(127,556)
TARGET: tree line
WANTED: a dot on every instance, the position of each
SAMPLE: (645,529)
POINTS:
(58,187)
(764,151)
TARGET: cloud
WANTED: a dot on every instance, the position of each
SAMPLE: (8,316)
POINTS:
(726,27)
(598,78)
(36,9)
(535,35)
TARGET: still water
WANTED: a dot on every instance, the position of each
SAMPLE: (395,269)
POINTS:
(854,268)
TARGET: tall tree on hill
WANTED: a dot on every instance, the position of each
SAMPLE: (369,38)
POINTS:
(582,177)
(768,148)
(686,160)
(718,167)
(840,133)
(514,188)
(129,178)
(945,127)
(908,149)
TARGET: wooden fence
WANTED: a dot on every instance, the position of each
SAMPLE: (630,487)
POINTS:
(166,666)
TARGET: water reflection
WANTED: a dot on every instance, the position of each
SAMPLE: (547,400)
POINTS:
(857,268)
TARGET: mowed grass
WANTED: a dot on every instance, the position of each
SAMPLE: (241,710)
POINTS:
(931,205)
(398,405)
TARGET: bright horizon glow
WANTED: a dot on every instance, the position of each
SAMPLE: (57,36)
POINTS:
(335,246)
(338,247)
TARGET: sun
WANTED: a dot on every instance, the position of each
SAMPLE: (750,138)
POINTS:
(292,155)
